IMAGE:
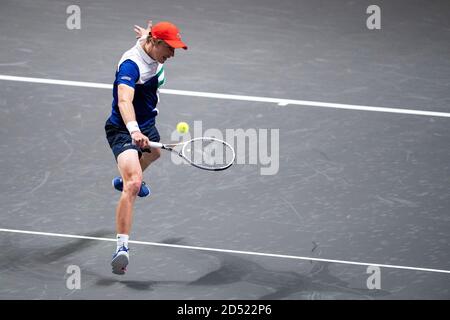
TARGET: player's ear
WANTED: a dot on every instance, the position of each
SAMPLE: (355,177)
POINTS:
(158,41)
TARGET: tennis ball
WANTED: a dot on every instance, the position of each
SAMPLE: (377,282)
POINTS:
(182,127)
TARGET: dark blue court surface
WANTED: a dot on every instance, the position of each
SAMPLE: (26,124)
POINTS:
(369,187)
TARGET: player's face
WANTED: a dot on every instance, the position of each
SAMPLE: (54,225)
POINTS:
(163,52)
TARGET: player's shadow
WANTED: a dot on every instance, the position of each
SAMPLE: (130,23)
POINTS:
(132,284)
(141,285)
(73,247)
(319,282)
(19,255)
(40,261)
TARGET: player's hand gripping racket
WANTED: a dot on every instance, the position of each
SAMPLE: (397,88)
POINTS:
(204,152)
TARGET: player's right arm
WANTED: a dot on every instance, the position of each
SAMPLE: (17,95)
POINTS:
(127,76)
(125,96)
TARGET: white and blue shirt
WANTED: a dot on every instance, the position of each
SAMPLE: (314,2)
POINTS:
(139,71)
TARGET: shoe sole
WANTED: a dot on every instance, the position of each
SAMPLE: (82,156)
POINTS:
(119,264)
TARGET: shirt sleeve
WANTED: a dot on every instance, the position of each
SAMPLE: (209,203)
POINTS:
(128,73)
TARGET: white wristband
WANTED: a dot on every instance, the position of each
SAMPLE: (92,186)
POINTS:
(133,126)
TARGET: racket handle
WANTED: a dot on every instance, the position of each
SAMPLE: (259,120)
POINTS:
(155,144)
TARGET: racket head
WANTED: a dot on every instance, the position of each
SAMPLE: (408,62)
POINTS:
(208,153)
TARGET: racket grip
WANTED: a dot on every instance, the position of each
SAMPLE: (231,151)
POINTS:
(155,144)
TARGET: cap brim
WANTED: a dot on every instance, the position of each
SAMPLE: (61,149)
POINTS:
(177,44)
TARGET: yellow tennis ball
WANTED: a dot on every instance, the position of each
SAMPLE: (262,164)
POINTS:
(182,127)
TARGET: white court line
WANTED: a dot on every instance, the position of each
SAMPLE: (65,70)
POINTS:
(227,251)
(280,102)
(59,82)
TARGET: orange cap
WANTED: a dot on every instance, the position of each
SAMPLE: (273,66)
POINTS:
(169,33)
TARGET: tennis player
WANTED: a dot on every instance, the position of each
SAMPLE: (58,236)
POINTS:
(131,125)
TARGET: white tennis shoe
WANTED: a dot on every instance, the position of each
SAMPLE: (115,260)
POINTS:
(120,260)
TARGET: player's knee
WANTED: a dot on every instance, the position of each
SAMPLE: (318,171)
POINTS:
(133,185)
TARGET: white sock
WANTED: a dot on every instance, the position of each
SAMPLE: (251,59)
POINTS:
(122,240)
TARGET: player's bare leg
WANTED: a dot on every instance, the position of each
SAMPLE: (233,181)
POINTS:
(131,172)
(148,157)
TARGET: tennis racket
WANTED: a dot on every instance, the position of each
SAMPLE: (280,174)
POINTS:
(206,153)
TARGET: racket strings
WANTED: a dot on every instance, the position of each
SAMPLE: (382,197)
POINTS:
(208,153)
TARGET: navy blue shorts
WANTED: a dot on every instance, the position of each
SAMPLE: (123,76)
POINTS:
(119,139)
